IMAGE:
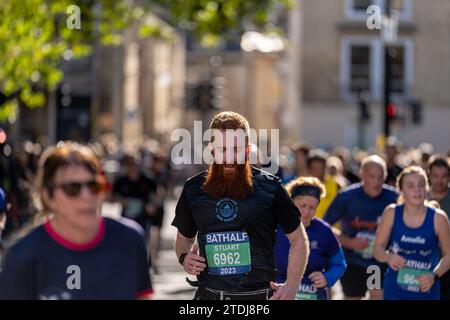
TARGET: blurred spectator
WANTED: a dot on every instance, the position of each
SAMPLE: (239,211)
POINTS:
(335,169)
(316,165)
(393,148)
(301,151)
(112,256)
(136,191)
(16,179)
(439,174)
(160,174)
(425,150)
(350,166)
(287,164)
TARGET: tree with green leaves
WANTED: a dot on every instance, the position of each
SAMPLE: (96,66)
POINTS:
(37,35)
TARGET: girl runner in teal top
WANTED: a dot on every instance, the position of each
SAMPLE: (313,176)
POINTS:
(415,235)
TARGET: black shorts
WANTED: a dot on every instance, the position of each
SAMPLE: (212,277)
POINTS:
(354,280)
(445,286)
(157,219)
(212,294)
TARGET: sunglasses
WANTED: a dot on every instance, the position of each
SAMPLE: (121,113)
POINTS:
(73,189)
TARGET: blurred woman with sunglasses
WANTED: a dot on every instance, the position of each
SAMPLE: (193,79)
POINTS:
(75,254)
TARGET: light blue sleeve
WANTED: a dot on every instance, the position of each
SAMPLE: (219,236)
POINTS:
(337,266)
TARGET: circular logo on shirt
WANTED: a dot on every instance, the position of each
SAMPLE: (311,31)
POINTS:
(226,210)
(314,244)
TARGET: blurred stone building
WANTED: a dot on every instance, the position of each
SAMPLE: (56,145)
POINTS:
(135,90)
(339,54)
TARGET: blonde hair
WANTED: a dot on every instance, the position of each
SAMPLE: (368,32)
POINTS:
(306,181)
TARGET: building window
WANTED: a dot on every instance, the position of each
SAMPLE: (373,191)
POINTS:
(361,5)
(359,68)
(357,9)
(362,67)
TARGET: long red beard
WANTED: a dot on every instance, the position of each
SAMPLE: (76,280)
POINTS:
(238,185)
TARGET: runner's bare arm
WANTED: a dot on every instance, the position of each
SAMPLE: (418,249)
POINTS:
(442,227)
(382,238)
(298,256)
(183,244)
(193,263)
(382,235)
(348,242)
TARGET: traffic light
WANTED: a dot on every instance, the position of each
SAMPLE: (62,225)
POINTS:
(391,111)
(390,115)
(416,112)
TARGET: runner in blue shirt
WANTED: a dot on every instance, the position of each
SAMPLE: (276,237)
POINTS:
(326,262)
(75,254)
(359,208)
(415,235)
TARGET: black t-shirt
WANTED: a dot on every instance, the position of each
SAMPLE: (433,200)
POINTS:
(136,194)
(392,174)
(43,265)
(197,213)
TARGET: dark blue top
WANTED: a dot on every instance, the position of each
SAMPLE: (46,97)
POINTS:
(2,200)
(420,247)
(43,265)
(323,248)
(359,215)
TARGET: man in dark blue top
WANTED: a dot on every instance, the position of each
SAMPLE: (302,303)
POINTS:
(359,208)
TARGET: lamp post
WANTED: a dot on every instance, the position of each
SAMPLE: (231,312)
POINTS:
(389,37)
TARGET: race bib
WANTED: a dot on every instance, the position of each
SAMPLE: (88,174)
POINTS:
(228,253)
(306,292)
(366,253)
(406,279)
(133,207)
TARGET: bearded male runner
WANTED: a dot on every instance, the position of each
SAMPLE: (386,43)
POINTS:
(233,210)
